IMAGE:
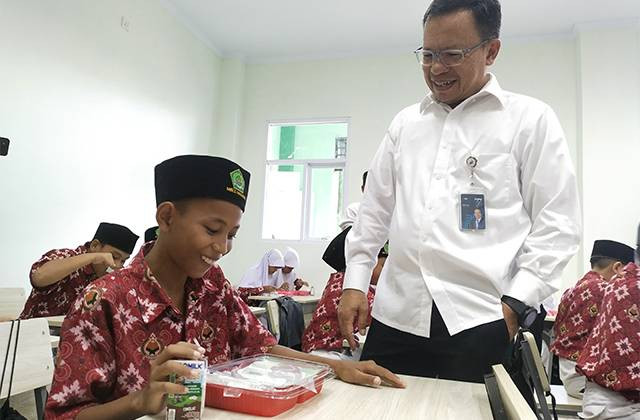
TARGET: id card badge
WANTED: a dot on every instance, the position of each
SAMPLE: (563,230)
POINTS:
(473,215)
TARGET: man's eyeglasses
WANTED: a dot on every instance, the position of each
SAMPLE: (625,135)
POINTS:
(449,58)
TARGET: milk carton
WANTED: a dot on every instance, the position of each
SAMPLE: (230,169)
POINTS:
(188,406)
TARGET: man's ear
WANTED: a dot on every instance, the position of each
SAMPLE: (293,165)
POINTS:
(492,51)
(617,267)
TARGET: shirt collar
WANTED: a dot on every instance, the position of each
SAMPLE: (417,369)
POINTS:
(491,88)
(153,300)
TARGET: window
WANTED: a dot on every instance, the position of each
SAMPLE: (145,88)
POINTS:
(304,180)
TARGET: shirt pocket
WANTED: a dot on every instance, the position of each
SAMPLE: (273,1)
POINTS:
(496,174)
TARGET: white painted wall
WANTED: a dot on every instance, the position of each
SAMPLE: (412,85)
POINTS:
(610,126)
(90,109)
(370,91)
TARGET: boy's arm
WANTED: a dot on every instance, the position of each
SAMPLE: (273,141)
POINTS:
(56,269)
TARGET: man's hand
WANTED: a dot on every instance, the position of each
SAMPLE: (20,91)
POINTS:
(353,303)
(511,319)
(366,373)
(153,397)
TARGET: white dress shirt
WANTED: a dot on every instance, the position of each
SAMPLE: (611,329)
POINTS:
(412,198)
(350,216)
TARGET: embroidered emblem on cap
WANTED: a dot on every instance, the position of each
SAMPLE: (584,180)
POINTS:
(152,347)
(237,182)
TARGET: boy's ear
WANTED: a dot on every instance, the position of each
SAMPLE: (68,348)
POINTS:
(617,267)
(95,245)
(165,215)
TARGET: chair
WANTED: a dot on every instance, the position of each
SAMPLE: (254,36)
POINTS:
(511,402)
(33,364)
(273,314)
(11,302)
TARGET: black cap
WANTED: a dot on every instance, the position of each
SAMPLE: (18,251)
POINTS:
(117,236)
(334,254)
(199,176)
(151,234)
(613,250)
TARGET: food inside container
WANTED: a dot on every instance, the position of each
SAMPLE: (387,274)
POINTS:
(264,385)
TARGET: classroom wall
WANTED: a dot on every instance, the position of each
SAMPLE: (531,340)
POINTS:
(370,91)
(90,108)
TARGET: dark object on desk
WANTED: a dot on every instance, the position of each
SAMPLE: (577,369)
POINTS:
(4,146)
(291,322)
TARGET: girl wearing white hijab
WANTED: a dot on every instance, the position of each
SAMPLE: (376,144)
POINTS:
(266,272)
(288,276)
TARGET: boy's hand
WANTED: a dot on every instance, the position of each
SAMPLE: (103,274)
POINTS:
(153,397)
(366,373)
(104,258)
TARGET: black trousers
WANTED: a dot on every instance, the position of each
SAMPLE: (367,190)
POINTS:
(465,356)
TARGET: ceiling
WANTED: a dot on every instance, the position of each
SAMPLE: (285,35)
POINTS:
(274,30)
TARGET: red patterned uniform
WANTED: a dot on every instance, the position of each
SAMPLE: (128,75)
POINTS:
(323,333)
(577,313)
(245,292)
(125,319)
(56,299)
(611,356)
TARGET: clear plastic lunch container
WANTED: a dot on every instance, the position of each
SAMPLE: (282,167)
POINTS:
(264,385)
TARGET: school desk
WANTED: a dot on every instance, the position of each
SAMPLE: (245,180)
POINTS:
(423,398)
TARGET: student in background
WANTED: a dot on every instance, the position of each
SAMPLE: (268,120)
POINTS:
(351,212)
(262,277)
(290,279)
(151,234)
(60,274)
(121,336)
(322,336)
(580,306)
(611,358)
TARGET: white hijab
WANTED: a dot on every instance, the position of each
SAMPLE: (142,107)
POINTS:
(291,259)
(258,275)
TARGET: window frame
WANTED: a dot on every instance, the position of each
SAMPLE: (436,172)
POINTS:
(308,166)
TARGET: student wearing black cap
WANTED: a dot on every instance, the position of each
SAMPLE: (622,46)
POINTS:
(60,274)
(122,335)
(580,306)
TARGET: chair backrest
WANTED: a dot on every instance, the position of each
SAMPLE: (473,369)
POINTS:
(34,362)
(273,313)
(537,361)
(11,302)
(514,403)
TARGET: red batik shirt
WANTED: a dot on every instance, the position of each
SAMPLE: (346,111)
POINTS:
(56,298)
(611,355)
(577,314)
(245,292)
(323,333)
(125,319)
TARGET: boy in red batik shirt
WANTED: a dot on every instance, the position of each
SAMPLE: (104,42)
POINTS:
(322,336)
(119,340)
(611,357)
(579,308)
(61,274)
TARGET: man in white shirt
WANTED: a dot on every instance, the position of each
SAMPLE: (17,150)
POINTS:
(438,309)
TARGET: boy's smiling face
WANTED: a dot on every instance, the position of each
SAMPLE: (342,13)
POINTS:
(198,232)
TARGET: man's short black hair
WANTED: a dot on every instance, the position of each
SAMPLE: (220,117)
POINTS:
(487,14)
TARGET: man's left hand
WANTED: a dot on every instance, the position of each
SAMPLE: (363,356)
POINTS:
(511,319)
(366,373)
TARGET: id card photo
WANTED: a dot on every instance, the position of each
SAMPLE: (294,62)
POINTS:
(472,212)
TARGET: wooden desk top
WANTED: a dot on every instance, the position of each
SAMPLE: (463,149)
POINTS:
(299,299)
(425,398)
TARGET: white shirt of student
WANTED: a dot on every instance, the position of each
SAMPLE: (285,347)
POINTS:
(412,198)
